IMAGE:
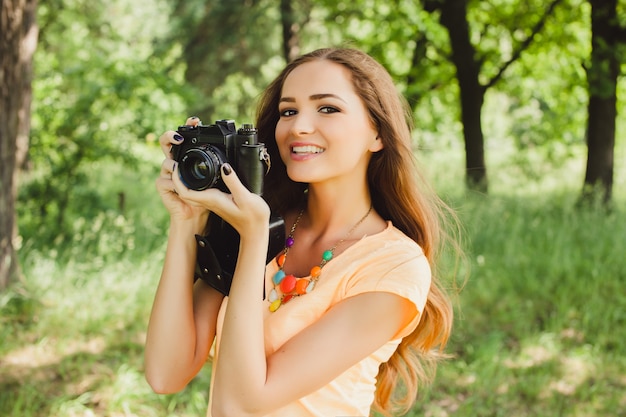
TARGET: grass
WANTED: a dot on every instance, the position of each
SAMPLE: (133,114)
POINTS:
(543,316)
(539,332)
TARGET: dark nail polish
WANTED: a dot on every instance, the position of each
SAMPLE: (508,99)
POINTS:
(227,169)
(178,137)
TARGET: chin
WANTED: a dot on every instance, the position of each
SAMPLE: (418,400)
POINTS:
(300,175)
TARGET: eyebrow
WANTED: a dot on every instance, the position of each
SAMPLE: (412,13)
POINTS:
(312,97)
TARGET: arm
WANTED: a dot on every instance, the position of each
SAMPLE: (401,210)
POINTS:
(183,318)
(253,385)
(182,323)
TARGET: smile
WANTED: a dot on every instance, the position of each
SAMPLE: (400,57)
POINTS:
(308,149)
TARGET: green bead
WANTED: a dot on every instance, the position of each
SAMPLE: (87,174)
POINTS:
(327,256)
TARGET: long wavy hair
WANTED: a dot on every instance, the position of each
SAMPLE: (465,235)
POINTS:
(399,193)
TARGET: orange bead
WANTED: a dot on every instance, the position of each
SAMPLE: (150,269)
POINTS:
(281,260)
(301,286)
(287,298)
(316,271)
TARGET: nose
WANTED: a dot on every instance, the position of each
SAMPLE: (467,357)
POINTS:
(302,124)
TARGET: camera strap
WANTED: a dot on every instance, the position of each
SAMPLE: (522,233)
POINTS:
(208,267)
(217,252)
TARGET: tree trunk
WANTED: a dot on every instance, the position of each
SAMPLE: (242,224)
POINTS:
(17,44)
(291,42)
(601,111)
(454,18)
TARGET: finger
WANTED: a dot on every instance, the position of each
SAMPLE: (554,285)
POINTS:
(193,121)
(232,181)
(179,185)
(187,193)
(212,199)
(165,185)
(167,139)
(167,168)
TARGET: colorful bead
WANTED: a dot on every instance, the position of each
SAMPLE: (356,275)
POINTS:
(274,305)
(301,286)
(281,260)
(278,276)
(291,286)
(288,284)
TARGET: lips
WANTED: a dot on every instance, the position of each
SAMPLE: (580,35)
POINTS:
(306,149)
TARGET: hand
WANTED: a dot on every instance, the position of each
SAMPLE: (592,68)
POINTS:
(178,208)
(247,212)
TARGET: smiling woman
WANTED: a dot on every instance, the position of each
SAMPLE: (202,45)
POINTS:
(354,308)
(336,125)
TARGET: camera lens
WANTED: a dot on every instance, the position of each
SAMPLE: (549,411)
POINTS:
(200,170)
(200,167)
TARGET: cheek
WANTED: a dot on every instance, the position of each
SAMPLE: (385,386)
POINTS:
(280,133)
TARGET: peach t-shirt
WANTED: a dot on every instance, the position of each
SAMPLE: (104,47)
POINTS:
(388,261)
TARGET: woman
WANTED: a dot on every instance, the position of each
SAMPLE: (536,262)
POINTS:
(351,306)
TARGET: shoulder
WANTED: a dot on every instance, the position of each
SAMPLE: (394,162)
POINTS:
(391,262)
(390,249)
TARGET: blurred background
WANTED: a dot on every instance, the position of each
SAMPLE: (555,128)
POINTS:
(518,108)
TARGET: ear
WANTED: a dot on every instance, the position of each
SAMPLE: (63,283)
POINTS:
(376,145)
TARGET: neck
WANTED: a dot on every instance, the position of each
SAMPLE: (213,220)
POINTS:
(327,211)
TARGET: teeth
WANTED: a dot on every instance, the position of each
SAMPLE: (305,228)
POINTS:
(307,149)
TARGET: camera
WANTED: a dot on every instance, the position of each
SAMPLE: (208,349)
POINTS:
(207,147)
(200,156)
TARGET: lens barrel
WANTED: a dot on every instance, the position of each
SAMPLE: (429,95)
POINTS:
(199,168)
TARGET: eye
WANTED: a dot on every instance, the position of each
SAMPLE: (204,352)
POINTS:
(328,109)
(287,112)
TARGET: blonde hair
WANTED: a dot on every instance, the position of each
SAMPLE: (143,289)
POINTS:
(399,193)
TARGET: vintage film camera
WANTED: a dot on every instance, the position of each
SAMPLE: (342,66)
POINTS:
(204,149)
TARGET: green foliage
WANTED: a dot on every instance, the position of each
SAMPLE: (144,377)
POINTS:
(230,47)
(149,64)
(413,47)
(93,101)
(549,75)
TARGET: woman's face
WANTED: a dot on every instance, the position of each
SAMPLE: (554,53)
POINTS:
(324,132)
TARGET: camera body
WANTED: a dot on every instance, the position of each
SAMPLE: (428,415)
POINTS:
(200,156)
(206,147)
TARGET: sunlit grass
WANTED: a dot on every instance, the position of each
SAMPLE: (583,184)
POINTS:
(542,316)
(539,330)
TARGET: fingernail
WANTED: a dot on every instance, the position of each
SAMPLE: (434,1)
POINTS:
(194,118)
(227,169)
(178,137)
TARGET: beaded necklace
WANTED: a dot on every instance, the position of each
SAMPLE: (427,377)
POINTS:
(292,286)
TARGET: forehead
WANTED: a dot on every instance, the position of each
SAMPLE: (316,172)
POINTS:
(321,76)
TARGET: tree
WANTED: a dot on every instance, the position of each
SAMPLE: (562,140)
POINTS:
(18,41)
(290,29)
(226,46)
(602,73)
(231,55)
(468,62)
(93,106)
